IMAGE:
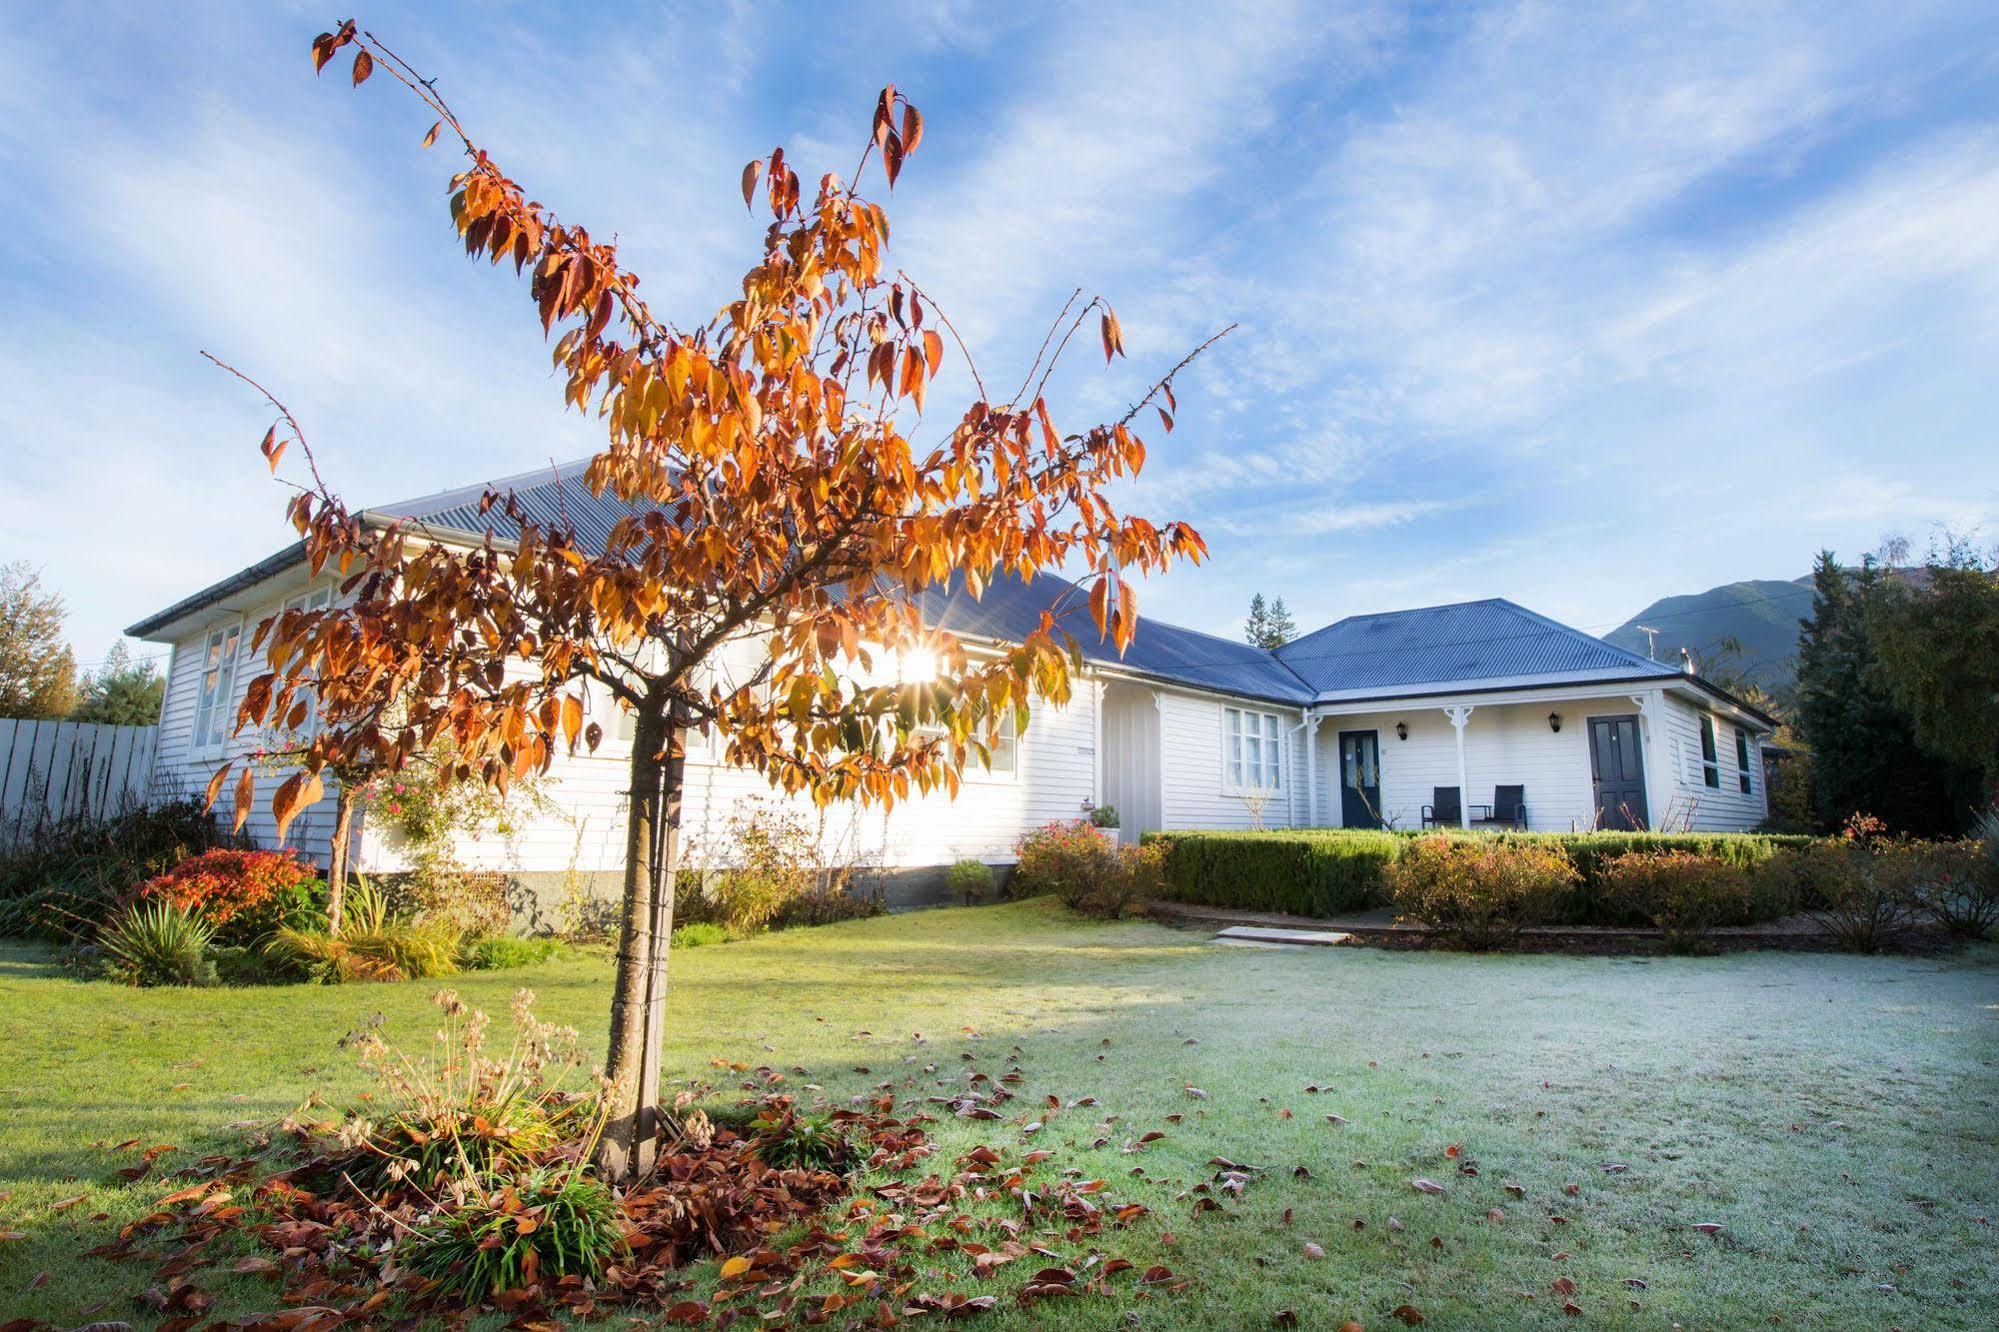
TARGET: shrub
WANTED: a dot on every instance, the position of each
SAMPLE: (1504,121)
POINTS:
(1962,894)
(1131,878)
(824,903)
(786,1140)
(455,1111)
(1861,889)
(1327,871)
(1306,873)
(971,881)
(372,944)
(1103,816)
(776,875)
(1089,874)
(1067,858)
(501,952)
(59,883)
(242,895)
(546,1224)
(156,943)
(700,934)
(1479,891)
(449,895)
(1682,893)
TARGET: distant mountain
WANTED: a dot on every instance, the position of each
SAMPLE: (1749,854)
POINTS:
(1761,614)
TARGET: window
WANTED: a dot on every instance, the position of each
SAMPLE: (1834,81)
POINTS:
(1742,759)
(1005,750)
(317,599)
(213,715)
(1251,750)
(1710,764)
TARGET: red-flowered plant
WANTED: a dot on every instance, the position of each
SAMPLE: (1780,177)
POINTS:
(237,892)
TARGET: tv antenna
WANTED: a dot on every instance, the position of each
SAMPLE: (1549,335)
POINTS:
(1651,640)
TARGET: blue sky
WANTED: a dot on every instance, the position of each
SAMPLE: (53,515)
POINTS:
(1575,304)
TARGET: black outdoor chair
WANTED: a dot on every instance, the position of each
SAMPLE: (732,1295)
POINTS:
(1508,808)
(1443,811)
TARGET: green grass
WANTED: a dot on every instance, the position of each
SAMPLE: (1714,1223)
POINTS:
(1837,1115)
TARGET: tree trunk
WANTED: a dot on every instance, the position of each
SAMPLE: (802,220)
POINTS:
(336,856)
(638,998)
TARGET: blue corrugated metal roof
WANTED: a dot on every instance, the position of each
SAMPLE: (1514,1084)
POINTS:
(1363,655)
(1472,640)
(1011,609)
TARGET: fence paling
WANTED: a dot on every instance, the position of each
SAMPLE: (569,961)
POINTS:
(52,772)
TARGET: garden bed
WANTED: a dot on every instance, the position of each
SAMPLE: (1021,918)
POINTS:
(1382,928)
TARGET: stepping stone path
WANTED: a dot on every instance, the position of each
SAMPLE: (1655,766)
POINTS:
(1269,936)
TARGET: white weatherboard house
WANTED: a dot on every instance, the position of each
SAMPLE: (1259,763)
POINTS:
(1477,713)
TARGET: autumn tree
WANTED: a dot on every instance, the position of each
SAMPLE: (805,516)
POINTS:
(772,491)
(37,668)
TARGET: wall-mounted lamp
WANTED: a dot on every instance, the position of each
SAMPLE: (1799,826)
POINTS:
(1555,721)
(1402,730)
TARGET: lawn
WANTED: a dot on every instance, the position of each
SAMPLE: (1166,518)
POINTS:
(1836,1116)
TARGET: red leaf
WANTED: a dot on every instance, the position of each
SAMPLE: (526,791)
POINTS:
(364,65)
(246,796)
(750,174)
(431,137)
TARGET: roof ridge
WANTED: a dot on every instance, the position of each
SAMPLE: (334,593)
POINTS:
(551,471)
(1393,614)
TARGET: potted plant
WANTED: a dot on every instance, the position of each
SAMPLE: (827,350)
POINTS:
(1105,820)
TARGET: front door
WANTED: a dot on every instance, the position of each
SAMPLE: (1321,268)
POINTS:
(1617,768)
(1360,779)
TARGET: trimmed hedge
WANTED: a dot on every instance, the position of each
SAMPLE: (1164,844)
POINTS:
(1326,871)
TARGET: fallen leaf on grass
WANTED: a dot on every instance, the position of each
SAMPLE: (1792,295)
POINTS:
(1707,1227)
(1409,1314)
(1426,1185)
(1313,1250)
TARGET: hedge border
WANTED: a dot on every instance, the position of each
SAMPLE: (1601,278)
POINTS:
(1330,871)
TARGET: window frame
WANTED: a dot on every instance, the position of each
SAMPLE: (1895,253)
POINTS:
(209,736)
(1743,752)
(1710,754)
(1237,739)
(309,729)
(976,771)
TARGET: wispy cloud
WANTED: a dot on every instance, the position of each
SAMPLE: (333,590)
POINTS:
(1577,305)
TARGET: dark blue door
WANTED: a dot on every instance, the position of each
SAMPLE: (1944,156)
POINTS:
(1617,767)
(1360,779)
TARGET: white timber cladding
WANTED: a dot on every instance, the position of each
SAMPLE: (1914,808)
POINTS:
(1166,755)
(1505,744)
(1514,744)
(1724,807)
(1046,773)
(1130,742)
(1195,787)
(205,687)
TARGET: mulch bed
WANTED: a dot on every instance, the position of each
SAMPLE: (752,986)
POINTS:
(804,1247)
(1797,934)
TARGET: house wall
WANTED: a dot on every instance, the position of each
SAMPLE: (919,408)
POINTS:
(1726,808)
(1131,756)
(1512,744)
(1507,744)
(1192,788)
(178,769)
(581,831)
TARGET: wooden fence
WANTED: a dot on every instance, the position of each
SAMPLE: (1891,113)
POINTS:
(53,771)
